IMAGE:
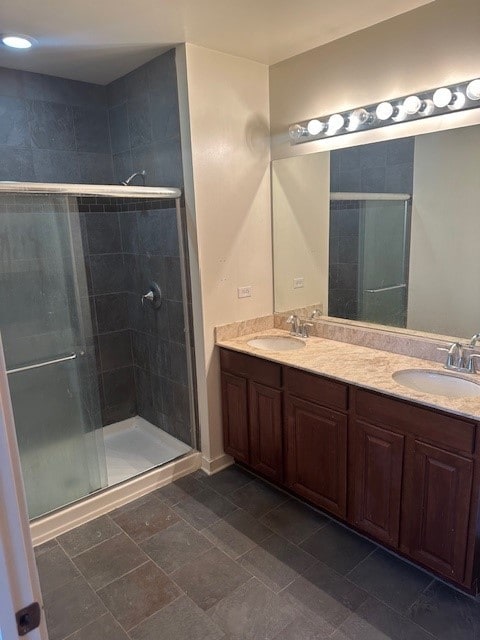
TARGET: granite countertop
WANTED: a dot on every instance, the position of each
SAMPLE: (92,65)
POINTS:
(360,366)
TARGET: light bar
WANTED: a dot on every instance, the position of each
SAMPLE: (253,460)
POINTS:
(435,102)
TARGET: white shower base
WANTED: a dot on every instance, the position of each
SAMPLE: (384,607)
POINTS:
(135,445)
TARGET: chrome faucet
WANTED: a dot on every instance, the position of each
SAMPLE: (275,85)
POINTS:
(454,357)
(300,328)
(461,358)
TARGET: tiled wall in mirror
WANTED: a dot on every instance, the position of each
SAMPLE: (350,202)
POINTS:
(385,233)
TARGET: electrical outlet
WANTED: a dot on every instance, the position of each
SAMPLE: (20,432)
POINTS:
(245,292)
(298,283)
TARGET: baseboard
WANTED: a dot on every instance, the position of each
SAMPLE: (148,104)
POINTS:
(54,524)
(213,465)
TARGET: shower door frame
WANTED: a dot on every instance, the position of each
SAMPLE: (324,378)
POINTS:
(19,582)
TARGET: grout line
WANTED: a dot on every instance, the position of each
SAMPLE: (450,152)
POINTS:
(93,545)
(358,564)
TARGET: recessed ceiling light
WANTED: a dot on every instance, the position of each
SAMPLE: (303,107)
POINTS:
(17,41)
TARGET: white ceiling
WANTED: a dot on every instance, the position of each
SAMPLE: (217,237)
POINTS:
(100,40)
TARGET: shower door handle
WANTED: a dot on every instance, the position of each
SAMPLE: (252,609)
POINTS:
(72,356)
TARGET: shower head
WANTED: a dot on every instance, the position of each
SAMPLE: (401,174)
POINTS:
(142,174)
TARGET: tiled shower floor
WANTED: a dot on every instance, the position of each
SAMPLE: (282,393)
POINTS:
(134,446)
(230,557)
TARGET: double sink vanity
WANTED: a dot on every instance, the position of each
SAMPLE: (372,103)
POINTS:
(385,443)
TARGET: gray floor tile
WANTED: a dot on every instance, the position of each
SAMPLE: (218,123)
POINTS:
(68,610)
(252,611)
(375,621)
(109,560)
(237,533)
(105,628)
(337,547)
(55,569)
(180,620)
(294,521)
(87,535)
(276,562)
(210,578)
(138,595)
(132,505)
(146,519)
(257,498)
(326,594)
(182,488)
(46,546)
(391,580)
(228,480)
(446,613)
(178,545)
(204,508)
(306,628)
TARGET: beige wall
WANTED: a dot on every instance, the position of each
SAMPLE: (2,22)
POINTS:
(444,283)
(301,214)
(228,203)
(435,44)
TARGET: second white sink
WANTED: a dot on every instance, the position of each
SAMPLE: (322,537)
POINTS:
(276,343)
(438,383)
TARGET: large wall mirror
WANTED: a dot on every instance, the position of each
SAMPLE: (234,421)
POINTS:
(385,233)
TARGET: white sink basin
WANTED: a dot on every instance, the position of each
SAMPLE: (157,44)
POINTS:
(438,383)
(276,343)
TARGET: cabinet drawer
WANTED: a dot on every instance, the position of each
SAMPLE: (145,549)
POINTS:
(428,424)
(262,371)
(323,391)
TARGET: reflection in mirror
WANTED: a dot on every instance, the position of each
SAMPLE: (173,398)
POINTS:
(384,233)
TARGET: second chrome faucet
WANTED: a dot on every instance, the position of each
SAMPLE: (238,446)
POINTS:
(461,357)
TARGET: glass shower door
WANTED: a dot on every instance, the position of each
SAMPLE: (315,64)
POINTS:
(383,262)
(47,336)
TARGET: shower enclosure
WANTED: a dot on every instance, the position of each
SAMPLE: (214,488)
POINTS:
(94,319)
(368,260)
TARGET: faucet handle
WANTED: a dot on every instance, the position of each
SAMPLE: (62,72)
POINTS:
(305,327)
(471,366)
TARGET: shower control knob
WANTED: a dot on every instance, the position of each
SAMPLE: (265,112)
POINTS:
(153,296)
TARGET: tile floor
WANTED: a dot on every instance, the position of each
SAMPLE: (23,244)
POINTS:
(230,557)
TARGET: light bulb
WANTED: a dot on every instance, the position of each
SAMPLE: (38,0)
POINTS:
(315,127)
(458,101)
(473,90)
(427,107)
(17,42)
(399,113)
(296,131)
(335,123)
(442,97)
(384,111)
(412,105)
(356,118)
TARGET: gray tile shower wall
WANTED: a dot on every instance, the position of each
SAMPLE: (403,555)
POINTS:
(144,123)
(141,351)
(53,129)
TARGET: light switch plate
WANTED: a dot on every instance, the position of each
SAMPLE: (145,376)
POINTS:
(298,283)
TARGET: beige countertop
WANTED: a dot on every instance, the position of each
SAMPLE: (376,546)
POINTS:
(361,366)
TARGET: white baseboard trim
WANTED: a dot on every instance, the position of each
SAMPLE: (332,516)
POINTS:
(54,524)
(213,465)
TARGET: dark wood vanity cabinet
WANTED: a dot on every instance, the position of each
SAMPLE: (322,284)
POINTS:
(405,475)
(376,473)
(316,440)
(252,412)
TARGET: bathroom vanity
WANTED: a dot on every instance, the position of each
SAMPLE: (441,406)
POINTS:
(329,424)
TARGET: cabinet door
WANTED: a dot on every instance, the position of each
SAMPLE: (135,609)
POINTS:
(436,508)
(317,454)
(376,457)
(266,450)
(235,417)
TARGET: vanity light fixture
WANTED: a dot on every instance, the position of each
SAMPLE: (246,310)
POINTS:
(17,41)
(464,95)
